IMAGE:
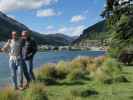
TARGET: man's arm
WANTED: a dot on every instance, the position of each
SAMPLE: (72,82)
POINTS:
(6,47)
(34,48)
(0,50)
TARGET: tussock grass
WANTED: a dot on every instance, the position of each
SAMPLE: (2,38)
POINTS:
(36,91)
(76,74)
(9,94)
(100,68)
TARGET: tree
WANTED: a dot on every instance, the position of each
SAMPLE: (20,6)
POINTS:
(120,23)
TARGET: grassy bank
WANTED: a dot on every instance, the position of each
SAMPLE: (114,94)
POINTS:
(83,78)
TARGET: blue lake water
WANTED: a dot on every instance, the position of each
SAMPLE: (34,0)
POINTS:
(43,58)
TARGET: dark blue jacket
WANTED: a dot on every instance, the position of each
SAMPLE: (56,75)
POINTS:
(28,48)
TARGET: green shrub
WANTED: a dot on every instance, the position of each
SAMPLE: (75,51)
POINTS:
(95,63)
(92,67)
(76,74)
(84,61)
(108,71)
(76,67)
(80,62)
(62,69)
(100,75)
(47,70)
(36,91)
(99,60)
(112,67)
(75,64)
(47,74)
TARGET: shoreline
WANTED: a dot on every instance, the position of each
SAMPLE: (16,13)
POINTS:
(36,68)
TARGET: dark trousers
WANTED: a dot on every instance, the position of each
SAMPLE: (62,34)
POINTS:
(29,64)
(25,72)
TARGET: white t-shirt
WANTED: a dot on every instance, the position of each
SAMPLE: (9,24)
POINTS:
(12,47)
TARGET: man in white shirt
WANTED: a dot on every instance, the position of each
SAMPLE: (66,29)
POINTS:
(12,47)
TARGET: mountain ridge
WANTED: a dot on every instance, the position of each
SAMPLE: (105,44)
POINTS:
(94,32)
(8,24)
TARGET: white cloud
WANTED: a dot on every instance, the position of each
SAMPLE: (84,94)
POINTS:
(49,27)
(11,5)
(47,13)
(77,18)
(71,31)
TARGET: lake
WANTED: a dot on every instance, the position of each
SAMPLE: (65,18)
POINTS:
(43,58)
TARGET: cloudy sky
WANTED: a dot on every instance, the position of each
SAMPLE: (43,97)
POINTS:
(54,16)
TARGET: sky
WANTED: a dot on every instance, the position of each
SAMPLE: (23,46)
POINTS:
(69,17)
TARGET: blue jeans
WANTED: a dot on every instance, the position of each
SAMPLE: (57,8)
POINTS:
(29,64)
(24,71)
(16,72)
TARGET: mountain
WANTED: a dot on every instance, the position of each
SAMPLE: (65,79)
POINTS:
(57,39)
(95,32)
(66,37)
(8,24)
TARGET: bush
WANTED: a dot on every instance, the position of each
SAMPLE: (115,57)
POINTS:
(99,60)
(126,57)
(8,94)
(75,64)
(36,91)
(112,67)
(108,71)
(101,68)
(47,74)
(92,67)
(76,74)
(121,37)
(99,74)
(62,69)
(81,62)
(48,70)
(95,63)
(84,61)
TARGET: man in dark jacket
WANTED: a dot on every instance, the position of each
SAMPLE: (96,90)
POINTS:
(28,48)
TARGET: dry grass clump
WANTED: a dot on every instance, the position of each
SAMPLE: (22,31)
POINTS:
(9,94)
(100,68)
(110,69)
(36,91)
